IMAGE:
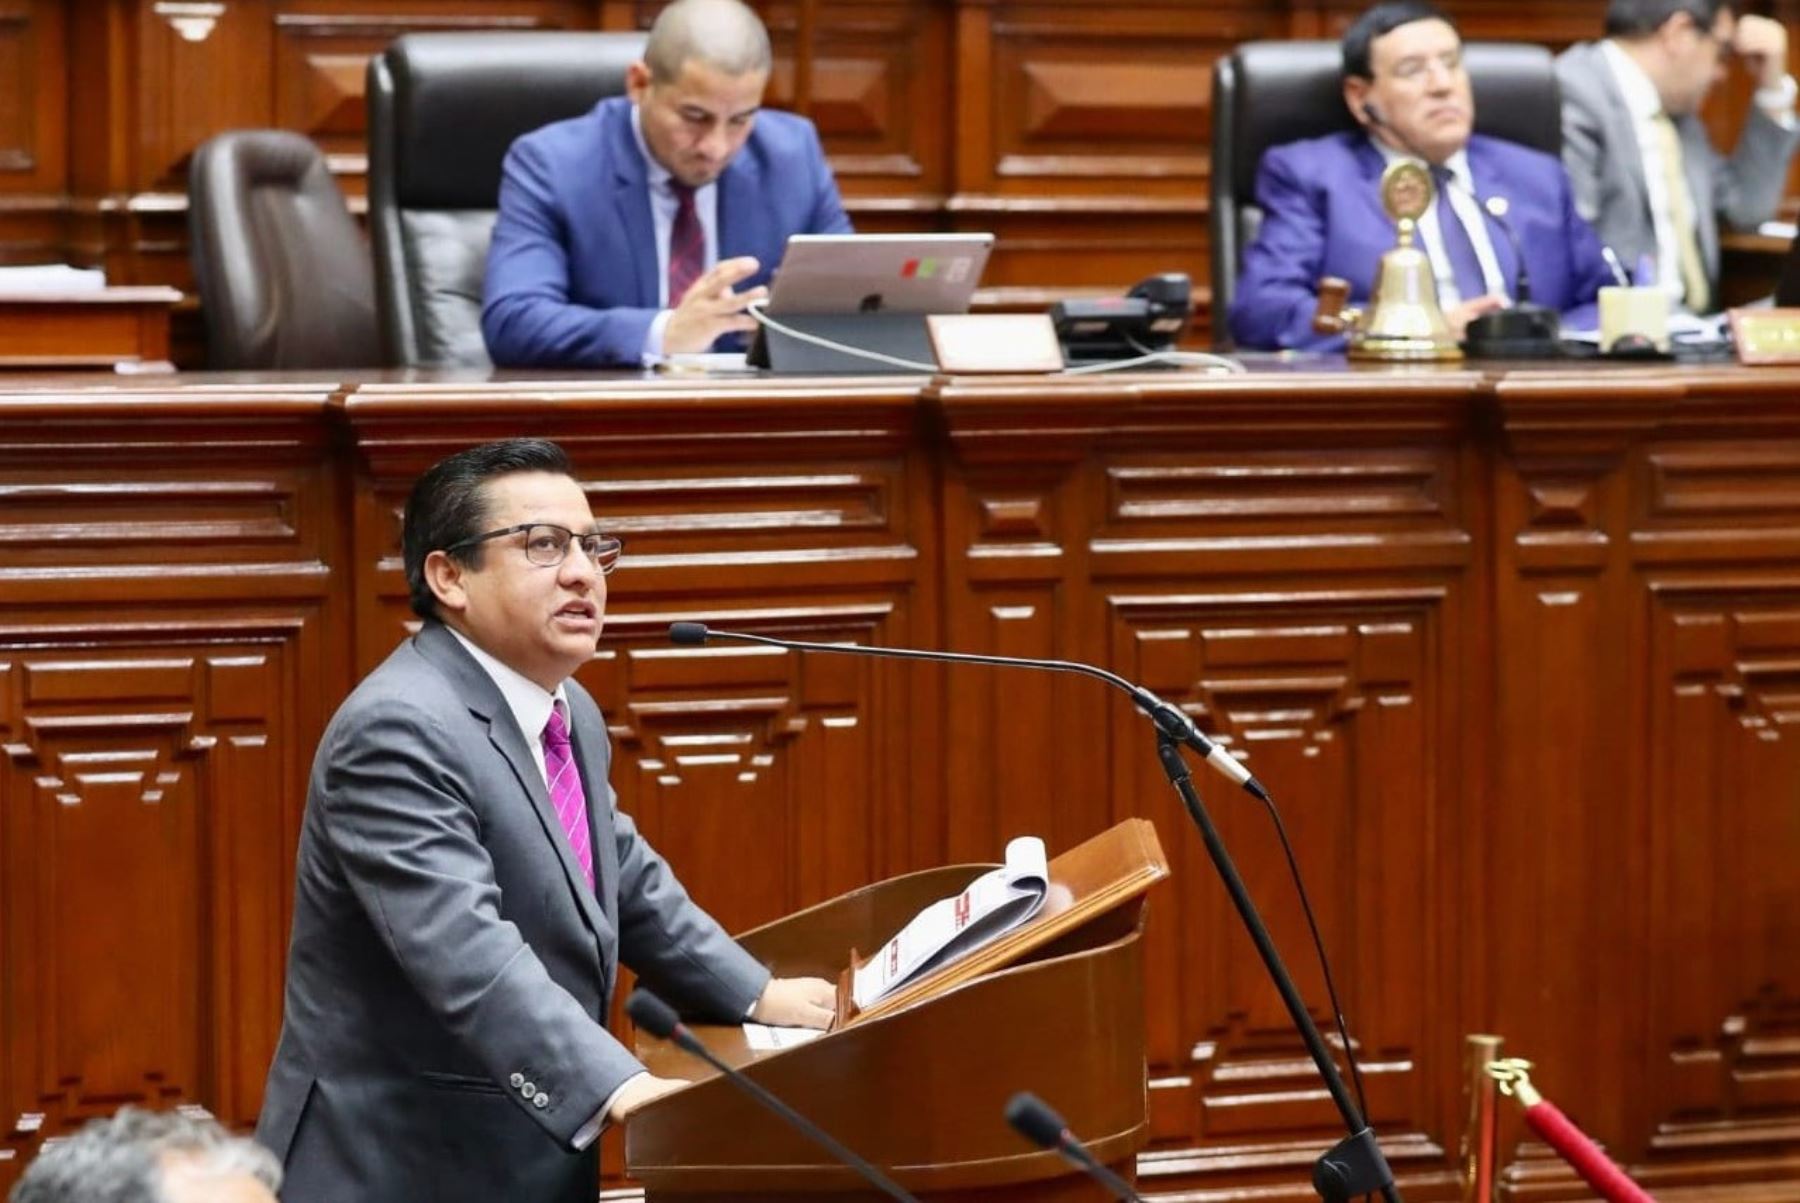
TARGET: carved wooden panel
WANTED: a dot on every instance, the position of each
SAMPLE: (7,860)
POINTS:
(322,52)
(1516,652)
(1725,1003)
(1331,694)
(871,74)
(32,92)
(204,68)
(150,783)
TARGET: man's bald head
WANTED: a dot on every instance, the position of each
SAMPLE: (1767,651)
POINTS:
(725,35)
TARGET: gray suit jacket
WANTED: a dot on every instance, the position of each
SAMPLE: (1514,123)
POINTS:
(1601,152)
(450,974)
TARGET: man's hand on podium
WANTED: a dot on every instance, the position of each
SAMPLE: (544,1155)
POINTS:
(638,1091)
(796,1002)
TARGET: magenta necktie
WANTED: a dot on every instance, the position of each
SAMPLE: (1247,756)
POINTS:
(687,245)
(565,791)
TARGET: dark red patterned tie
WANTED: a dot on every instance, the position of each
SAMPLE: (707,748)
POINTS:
(687,244)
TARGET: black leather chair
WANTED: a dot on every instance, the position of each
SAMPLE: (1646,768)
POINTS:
(1268,93)
(443,109)
(283,271)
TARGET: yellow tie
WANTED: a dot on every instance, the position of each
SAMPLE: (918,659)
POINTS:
(1681,216)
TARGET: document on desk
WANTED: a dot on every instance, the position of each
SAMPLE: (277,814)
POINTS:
(707,363)
(993,904)
(50,279)
(763,1038)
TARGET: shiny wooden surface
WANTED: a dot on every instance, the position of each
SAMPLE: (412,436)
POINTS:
(112,327)
(1515,650)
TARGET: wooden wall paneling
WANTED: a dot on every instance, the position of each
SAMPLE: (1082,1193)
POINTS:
(1720,638)
(1516,654)
(33,129)
(1663,568)
(1020,746)
(321,52)
(169,642)
(876,90)
(201,68)
(825,537)
(1181,537)
(1564,956)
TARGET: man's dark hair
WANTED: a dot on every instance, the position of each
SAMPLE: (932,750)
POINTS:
(449,504)
(1638,18)
(1377,20)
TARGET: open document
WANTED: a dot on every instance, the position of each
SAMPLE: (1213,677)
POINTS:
(992,905)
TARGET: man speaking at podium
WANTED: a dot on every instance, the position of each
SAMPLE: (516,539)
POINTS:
(645,227)
(1406,86)
(466,888)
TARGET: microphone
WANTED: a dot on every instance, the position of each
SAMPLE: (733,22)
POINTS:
(1170,720)
(659,1019)
(1033,1119)
(1497,207)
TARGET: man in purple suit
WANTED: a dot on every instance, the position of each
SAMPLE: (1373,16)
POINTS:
(1405,84)
(624,235)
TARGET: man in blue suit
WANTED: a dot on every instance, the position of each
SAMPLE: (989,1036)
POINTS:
(624,235)
(1405,84)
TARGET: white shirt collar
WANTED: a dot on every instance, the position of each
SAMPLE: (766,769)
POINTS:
(1458,163)
(1641,98)
(529,702)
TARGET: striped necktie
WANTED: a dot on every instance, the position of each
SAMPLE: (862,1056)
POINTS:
(566,794)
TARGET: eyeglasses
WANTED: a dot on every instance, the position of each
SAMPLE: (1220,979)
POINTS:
(547,544)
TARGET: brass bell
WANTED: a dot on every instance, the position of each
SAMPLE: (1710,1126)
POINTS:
(1403,321)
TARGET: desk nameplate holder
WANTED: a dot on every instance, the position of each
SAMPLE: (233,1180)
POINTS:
(1766,336)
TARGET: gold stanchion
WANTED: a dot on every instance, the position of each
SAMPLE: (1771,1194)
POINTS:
(1481,1129)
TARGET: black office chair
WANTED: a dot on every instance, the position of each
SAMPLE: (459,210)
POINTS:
(282,269)
(443,109)
(1268,93)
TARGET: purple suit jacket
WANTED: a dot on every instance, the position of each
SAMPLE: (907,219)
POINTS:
(571,272)
(1323,217)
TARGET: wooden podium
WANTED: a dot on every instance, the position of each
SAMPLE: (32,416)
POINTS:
(918,1081)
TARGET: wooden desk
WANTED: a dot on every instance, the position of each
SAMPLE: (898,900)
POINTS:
(107,328)
(1517,650)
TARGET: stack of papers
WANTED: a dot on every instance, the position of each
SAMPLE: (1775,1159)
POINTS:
(50,279)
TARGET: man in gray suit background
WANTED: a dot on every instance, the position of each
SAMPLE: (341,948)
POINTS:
(1645,173)
(465,888)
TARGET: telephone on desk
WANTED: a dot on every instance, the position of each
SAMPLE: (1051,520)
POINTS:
(1148,319)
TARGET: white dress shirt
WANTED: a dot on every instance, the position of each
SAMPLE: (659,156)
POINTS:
(662,216)
(1431,234)
(530,704)
(1645,105)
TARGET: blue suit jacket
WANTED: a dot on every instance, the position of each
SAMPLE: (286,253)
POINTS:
(1323,217)
(571,273)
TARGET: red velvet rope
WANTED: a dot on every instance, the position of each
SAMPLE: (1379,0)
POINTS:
(1584,1155)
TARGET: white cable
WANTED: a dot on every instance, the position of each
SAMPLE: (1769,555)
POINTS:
(1195,359)
(1192,359)
(755,310)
